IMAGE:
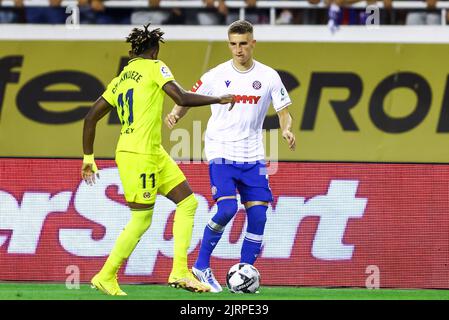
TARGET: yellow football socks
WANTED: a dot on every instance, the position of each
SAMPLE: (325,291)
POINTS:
(127,241)
(139,223)
(182,234)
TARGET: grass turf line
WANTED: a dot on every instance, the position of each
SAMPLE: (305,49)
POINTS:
(57,291)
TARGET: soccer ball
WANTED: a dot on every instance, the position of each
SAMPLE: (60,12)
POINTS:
(243,278)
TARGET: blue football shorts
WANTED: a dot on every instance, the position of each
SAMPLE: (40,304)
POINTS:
(249,178)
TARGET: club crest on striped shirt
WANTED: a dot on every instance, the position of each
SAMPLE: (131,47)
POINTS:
(257,85)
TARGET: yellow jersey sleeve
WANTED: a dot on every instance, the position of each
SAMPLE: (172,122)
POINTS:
(162,74)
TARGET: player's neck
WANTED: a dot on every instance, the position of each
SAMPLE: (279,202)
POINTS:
(148,55)
(245,66)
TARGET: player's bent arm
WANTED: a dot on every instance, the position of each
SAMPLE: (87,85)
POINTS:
(89,169)
(100,108)
(285,122)
(188,99)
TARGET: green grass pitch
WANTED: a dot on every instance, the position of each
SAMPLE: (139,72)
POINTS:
(59,291)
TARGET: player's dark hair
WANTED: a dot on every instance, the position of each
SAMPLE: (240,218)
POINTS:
(142,39)
(240,27)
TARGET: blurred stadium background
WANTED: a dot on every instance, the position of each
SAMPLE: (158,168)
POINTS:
(362,202)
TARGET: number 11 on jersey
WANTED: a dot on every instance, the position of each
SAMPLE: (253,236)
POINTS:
(126,104)
(143,176)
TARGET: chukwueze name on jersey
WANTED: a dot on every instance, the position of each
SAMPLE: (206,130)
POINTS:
(132,75)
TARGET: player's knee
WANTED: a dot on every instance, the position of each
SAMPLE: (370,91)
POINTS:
(188,205)
(140,222)
(227,209)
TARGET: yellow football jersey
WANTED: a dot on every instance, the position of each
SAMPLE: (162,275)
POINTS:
(138,97)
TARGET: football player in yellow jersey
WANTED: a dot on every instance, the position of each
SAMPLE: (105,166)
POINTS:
(144,166)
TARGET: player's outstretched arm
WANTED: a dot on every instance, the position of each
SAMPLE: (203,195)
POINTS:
(100,108)
(190,99)
(285,121)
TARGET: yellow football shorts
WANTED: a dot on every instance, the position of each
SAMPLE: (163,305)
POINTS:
(144,176)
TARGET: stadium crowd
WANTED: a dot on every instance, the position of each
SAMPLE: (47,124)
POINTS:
(218,12)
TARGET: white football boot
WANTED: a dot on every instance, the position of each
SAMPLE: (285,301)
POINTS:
(206,276)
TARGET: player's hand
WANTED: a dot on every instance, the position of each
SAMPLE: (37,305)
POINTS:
(88,172)
(228,98)
(291,140)
(171,120)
